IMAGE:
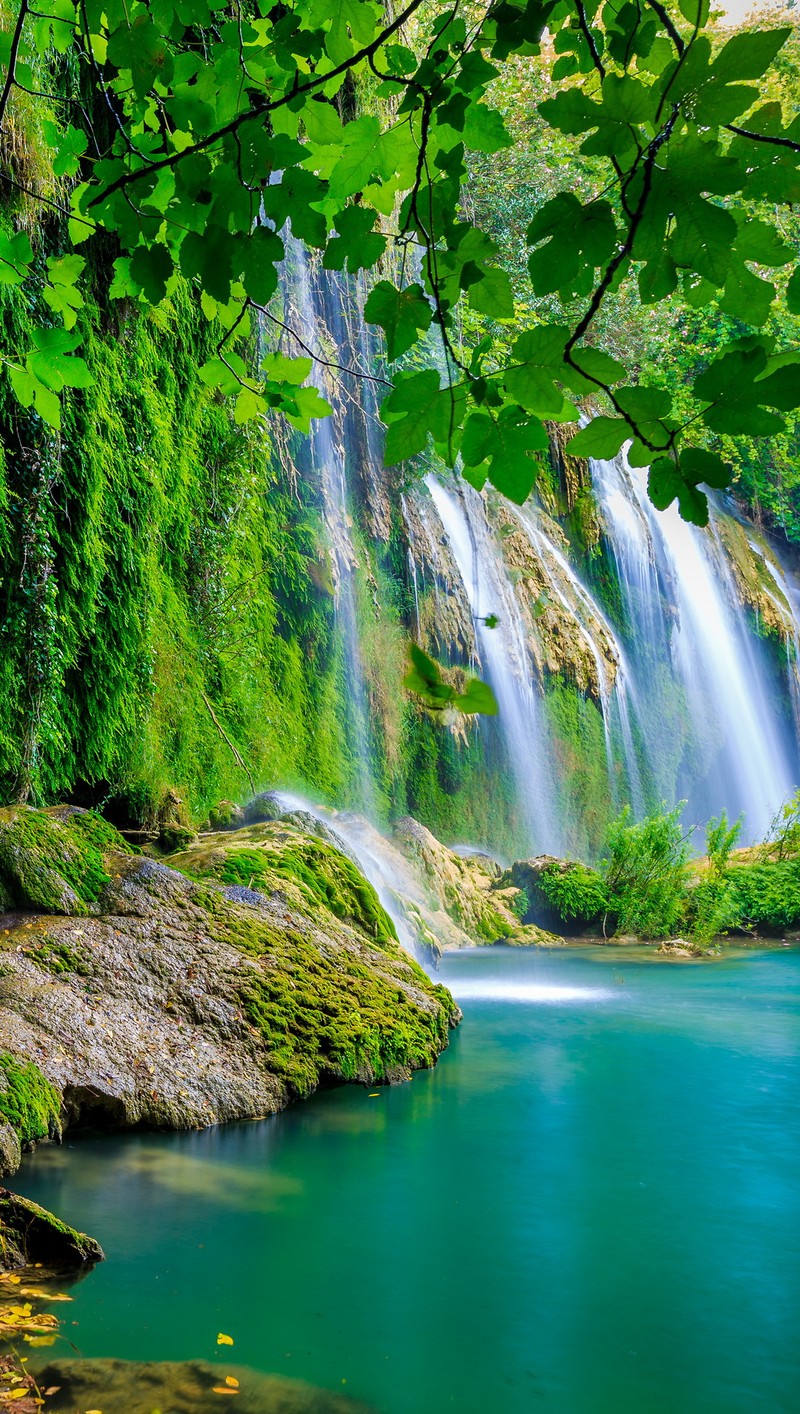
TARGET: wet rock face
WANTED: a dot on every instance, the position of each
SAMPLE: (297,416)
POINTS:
(32,1235)
(190,1387)
(179,1003)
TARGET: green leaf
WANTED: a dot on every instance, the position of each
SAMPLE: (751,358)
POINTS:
(260,253)
(15,255)
(416,408)
(539,352)
(793,292)
(309,404)
(504,443)
(748,56)
(359,159)
(644,404)
(761,243)
(699,465)
(358,245)
(484,129)
(747,297)
(665,483)
(209,257)
(401,314)
(70,145)
(149,269)
(601,439)
(492,294)
(477,697)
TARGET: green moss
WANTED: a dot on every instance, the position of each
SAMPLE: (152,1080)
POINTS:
(56,956)
(344,1022)
(325,876)
(28,1102)
(47,864)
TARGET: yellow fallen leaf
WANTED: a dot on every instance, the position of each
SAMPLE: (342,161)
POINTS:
(217,1389)
(232,1381)
(224,1339)
(373,1094)
(15,1393)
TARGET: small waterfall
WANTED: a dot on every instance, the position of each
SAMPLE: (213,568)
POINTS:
(379,862)
(615,692)
(682,612)
(504,655)
(317,310)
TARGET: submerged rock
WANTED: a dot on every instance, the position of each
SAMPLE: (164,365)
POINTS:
(173,1005)
(187,1387)
(29,1234)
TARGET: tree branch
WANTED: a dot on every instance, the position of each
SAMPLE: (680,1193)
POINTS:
(296,90)
(16,40)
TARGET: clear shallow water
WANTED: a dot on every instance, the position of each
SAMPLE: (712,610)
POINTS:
(592,1205)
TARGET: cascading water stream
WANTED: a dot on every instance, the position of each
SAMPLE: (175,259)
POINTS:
(317,309)
(374,856)
(736,757)
(588,618)
(504,655)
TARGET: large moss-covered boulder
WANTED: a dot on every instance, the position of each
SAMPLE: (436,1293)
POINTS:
(181,999)
(52,861)
(29,1235)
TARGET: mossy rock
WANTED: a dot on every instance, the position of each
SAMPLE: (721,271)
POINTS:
(342,1011)
(187,1387)
(29,1234)
(53,861)
(28,1102)
(559,895)
(267,857)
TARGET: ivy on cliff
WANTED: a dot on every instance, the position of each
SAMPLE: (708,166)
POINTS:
(195,130)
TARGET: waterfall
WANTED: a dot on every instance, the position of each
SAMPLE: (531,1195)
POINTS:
(591,625)
(317,311)
(503,654)
(683,614)
(384,867)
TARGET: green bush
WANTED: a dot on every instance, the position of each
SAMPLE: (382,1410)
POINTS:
(646,872)
(576,893)
(767,896)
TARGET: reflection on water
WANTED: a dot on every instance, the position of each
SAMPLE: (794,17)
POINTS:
(591,1206)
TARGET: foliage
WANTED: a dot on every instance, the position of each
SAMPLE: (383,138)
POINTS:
(197,131)
(576,892)
(783,836)
(646,871)
(28,1102)
(767,896)
(425,679)
(721,838)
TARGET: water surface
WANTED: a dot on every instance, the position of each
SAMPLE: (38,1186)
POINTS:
(591,1206)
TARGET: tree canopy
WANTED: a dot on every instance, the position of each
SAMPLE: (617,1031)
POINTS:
(183,137)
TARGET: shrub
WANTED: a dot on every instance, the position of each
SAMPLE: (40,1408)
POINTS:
(767,896)
(577,893)
(646,872)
